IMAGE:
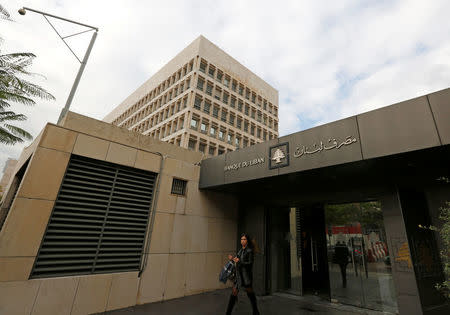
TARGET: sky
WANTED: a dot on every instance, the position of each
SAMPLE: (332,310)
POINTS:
(328,59)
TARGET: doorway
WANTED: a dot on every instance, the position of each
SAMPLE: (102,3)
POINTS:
(358,258)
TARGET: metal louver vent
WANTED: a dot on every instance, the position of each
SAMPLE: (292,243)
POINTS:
(99,220)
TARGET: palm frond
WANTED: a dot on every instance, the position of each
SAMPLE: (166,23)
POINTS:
(11,116)
(8,138)
(16,97)
(4,14)
(19,132)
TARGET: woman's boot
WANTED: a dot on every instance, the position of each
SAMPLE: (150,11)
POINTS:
(252,297)
(231,302)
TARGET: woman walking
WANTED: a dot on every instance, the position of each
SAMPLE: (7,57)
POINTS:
(244,273)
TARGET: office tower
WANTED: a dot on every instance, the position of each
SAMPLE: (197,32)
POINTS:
(204,100)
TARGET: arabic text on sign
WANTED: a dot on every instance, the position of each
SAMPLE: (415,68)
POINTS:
(332,144)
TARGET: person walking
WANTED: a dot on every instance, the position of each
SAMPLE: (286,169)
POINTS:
(244,273)
(341,255)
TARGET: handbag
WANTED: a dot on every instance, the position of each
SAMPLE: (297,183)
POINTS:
(228,272)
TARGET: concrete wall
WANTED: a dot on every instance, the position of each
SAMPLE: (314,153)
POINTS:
(191,237)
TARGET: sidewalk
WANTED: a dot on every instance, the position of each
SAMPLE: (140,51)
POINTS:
(215,302)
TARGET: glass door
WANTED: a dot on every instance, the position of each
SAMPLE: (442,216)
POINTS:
(358,258)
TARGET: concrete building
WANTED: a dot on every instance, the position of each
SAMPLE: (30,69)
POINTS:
(99,217)
(204,100)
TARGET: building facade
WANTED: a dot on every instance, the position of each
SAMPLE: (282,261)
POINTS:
(101,218)
(203,100)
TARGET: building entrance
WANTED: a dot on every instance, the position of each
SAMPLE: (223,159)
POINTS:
(338,252)
(358,258)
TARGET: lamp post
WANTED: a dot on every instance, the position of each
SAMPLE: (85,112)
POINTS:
(83,62)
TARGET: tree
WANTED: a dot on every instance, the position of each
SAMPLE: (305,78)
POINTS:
(444,231)
(15,89)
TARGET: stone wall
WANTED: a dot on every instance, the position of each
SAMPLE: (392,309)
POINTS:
(191,236)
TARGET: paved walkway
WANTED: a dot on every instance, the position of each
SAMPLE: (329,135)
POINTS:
(212,303)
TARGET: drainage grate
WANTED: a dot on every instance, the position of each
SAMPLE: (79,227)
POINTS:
(99,220)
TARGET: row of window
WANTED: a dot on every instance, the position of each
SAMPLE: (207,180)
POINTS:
(166,129)
(211,148)
(230,117)
(180,73)
(229,136)
(237,104)
(235,86)
(160,102)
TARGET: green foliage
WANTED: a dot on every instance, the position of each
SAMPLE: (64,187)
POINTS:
(15,89)
(444,287)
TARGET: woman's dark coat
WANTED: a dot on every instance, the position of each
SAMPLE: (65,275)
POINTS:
(245,267)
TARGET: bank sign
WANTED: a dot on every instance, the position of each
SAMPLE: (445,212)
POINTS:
(279,155)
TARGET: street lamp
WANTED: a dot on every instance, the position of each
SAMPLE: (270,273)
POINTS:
(83,62)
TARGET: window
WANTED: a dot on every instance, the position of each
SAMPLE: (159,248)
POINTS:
(191,144)
(224,116)
(240,104)
(259,116)
(216,111)
(209,88)
(221,134)
(200,83)
(203,66)
(203,127)
(226,81)
(233,102)
(247,94)
(217,93)
(252,130)
(202,147)
(212,131)
(233,86)
(211,71)
(238,122)
(253,113)
(221,151)
(211,150)
(231,120)
(178,187)
(194,123)
(254,98)
(258,133)
(237,141)
(246,109)
(96,222)
(206,106)
(241,89)
(225,97)
(245,143)
(197,102)
(219,75)
(229,138)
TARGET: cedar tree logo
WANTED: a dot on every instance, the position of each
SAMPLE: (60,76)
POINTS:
(279,155)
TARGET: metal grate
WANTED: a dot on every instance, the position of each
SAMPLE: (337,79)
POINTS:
(99,220)
(178,187)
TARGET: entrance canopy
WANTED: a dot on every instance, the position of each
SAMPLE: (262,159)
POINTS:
(386,141)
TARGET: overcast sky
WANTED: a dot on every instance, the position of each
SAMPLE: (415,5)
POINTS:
(328,59)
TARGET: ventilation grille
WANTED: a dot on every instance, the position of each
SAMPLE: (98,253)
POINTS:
(178,187)
(98,222)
